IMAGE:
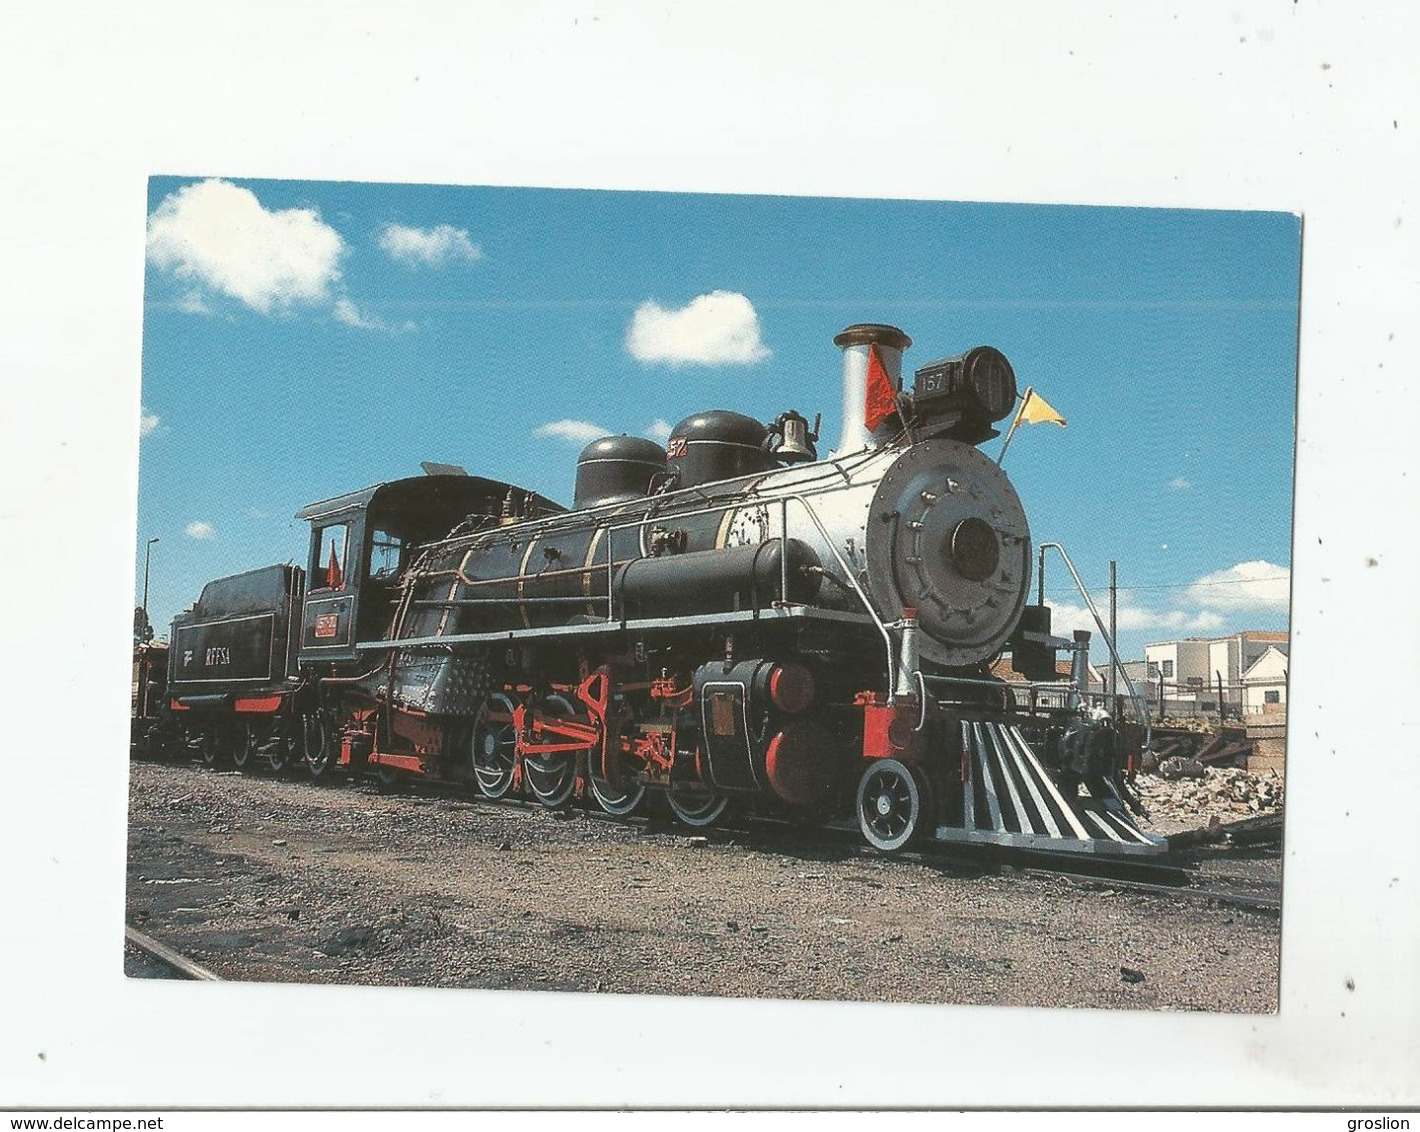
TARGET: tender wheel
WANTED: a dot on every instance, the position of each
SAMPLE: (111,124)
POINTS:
(892,804)
(209,748)
(318,748)
(492,749)
(696,806)
(241,742)
(552,778)
(278,753)
(387,776)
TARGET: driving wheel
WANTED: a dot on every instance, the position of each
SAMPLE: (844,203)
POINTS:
(696,806)
(552,777)
(493,747)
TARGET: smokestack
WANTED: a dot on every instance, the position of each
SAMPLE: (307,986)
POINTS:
(858,343)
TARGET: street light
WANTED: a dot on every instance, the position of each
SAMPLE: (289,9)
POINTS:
(147,562)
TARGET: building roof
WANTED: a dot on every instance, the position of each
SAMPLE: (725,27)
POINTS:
(1262,635)
(1280,650)
(1001,669)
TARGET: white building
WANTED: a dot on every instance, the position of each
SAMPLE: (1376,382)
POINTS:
(1233,656)
(1265,682)
(1182,666)
(1190,669)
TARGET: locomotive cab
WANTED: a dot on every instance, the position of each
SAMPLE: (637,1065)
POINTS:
(361,543)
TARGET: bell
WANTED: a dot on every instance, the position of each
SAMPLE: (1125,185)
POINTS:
(795,444)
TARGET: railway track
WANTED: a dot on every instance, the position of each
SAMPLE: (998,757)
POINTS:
(181,966)
(1171,878)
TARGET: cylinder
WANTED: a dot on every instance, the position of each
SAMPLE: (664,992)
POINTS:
(790,687)
(869,346)
(800,764)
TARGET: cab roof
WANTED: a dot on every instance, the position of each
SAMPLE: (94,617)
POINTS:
(473,492)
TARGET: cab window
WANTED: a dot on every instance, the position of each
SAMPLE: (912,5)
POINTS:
(385,549)
(328,569)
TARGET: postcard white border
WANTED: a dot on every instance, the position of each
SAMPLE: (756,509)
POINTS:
(1297,106)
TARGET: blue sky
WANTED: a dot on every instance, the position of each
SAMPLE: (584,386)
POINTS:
(303,339)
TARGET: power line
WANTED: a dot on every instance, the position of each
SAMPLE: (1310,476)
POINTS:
(1221,582)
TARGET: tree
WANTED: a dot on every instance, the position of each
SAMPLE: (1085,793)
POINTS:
(142,627)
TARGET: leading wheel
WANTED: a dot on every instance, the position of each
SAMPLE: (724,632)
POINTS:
(493,748)
(892,804)
(552,777)
(695,806)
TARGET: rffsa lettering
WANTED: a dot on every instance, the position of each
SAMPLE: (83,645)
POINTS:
(218,655)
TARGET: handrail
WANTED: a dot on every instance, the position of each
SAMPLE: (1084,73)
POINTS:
(837,466)
(982,682)
(1108,640)
(1032,688)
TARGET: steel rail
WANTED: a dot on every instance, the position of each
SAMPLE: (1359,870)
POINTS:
(165,954)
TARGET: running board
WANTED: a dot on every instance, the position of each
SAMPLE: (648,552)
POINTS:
(1009,799)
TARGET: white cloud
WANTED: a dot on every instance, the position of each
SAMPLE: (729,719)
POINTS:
(659,430)
(218,235)
(199,529)
(1216,602)
(719,328)
(193,303)
(1248,585)
(575,432)
(347,312)
(430,247)
(1132,618)
(1179,484)
(147,422)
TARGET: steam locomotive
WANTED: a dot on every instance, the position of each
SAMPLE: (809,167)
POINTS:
(729,619)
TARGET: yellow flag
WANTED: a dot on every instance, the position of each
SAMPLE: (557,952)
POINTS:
(1035,410)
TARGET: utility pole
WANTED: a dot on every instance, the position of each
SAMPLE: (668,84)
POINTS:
(147,564)
(1113,635)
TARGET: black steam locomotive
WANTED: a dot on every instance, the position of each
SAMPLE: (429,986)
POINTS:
(726,619)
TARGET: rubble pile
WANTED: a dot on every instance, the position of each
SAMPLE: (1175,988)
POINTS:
(1198,724)
(1184,789)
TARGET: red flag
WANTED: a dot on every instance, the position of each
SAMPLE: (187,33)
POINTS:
(881,400)
(332,572)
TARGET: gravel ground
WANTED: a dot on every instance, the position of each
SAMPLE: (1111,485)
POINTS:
(287,881)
